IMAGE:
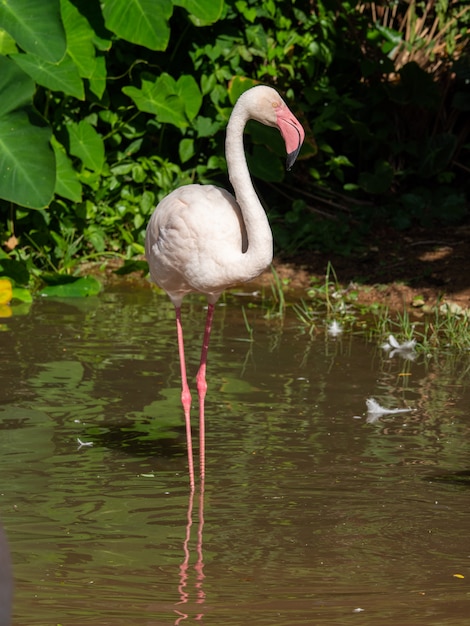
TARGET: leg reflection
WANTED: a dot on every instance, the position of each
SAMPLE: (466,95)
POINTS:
(199,566)
(184,573)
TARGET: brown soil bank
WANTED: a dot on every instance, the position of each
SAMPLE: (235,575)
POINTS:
(419,268)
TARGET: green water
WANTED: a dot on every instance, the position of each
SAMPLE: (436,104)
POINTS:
(310,513)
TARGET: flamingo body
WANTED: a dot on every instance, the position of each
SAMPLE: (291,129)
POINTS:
(195,239)
(202,239)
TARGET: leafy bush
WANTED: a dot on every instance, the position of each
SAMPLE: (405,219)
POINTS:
(107,106)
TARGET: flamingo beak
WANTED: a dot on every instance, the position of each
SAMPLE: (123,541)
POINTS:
(292,133)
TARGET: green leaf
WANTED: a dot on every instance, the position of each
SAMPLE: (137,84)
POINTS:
(27,163)
(67,184)
(237,86)
(205,11)
(36,25)
(7,43)
(189,92)
(21,294)
(80,288)
(98,78)
(95,236)
(186,149)
(87,145)
(248,13)
(144,22)
(80,35)
(15,270)
(206,126)
(132,265)
(58,279)
(16,87)
(159,96)
(61,76)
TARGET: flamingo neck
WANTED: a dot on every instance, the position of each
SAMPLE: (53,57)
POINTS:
(260,242)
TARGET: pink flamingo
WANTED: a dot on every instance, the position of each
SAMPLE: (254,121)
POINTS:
(202,239)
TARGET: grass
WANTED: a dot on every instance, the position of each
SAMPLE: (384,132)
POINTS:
(441,329)
(444,328)
(274,302)
(277,308)
(327,302)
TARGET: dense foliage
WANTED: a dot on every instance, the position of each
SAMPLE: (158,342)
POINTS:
(107,106)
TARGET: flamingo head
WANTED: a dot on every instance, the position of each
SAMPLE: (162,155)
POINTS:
(265,105)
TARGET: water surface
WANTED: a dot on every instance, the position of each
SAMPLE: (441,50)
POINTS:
(310,513)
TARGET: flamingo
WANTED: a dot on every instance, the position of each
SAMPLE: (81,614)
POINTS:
(202,239)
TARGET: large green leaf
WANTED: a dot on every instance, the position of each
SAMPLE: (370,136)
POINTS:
(27,164)
(79,288)
(79,39)
(16,87)
(62,76)
(87,145)
(36,25)
(205,11)
(144,22)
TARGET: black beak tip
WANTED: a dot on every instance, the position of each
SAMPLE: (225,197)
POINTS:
(291,158)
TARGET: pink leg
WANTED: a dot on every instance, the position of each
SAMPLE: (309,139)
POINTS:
(202,388)
(185,396)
